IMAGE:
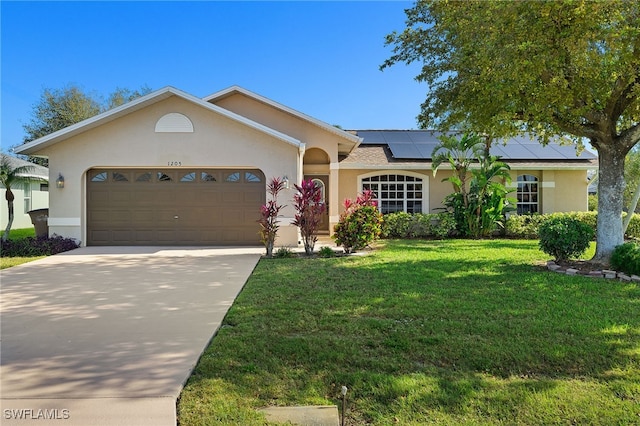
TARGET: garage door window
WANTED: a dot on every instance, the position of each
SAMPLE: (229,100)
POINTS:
(189,177)
(163,177)
(233,177)
(99,177)
(206,177)
(119,177)
(251,177)
(144,177)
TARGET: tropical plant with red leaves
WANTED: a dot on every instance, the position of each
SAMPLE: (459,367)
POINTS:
(309,209)
(269,215)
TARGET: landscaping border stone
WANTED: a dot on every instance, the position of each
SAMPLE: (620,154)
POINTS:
(604,273)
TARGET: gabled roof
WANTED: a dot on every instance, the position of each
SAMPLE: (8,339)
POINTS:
(37,171)
(351,140)
(419,145)
(34,146)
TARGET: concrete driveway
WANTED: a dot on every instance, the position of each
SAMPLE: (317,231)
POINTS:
(108,336)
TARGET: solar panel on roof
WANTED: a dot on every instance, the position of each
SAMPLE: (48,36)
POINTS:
(371,137)
(404,151)
(424,137)
(498,149)
(426,150)
(395,136)
(540,152)
(419,144)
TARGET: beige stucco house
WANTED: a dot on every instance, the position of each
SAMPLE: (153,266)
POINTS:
(170,168)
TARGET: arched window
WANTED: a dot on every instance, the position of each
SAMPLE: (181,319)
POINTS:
(396,192)
(528,194)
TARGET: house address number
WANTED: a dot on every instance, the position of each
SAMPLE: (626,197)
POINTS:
(174,163)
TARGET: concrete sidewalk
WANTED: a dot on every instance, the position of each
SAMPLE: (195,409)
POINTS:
(108,336)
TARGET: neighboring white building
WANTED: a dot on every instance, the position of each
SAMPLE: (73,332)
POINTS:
(32,197)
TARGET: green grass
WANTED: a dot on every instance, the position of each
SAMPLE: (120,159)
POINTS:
(442,332)
(15,234)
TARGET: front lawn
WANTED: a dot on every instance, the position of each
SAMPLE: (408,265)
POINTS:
(444,332)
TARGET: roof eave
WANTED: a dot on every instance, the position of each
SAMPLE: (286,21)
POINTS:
(139,103)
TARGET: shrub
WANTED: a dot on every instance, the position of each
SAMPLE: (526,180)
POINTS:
(418,225)
(326,252)
(564,237)
(633,230)
(284,253)
(524,226)
(360,224)
(626,258)
(37,246)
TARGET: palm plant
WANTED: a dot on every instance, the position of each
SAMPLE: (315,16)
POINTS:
(14,176)
(460,154)
(478,203)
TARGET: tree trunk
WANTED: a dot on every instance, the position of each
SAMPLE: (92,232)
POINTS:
(610,201)
(8,195)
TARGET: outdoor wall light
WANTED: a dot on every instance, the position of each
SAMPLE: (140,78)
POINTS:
(60,181)
(285,180)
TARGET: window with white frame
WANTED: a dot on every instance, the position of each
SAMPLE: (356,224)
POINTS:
(27,197)
(396,192)
(528,194)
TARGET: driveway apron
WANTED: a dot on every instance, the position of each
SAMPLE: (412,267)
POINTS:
(108,336)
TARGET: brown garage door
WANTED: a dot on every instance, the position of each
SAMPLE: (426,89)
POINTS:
(174,206)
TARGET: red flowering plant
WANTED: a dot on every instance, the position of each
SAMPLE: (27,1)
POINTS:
(360,223)
(309,209)
(269,215)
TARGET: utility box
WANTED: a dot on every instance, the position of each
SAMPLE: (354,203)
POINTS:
(40,220)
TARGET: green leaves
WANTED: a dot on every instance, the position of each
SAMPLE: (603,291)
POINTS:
(509,67)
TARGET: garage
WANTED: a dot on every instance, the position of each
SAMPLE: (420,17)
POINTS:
(174,206)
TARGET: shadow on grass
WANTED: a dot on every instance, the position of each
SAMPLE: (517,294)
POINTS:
(432,330)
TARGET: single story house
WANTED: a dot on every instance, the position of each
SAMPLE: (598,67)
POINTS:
(29,197)
(170,168)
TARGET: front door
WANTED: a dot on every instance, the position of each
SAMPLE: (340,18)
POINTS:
(323,182)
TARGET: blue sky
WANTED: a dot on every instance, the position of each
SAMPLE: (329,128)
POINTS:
(320,58)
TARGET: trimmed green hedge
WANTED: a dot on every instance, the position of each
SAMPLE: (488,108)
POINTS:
(526,226)
(442,225)
(418,225)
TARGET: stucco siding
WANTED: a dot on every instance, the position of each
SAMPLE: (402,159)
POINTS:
(131,141)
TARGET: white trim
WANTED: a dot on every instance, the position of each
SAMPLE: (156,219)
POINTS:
(548,184)
(63,221)
(334,219)
(139,103)
(334,166)
(424,177)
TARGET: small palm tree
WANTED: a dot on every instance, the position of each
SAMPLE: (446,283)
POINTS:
(460,154)
(14,176)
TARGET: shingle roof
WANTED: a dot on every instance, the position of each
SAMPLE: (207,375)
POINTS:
(37,170)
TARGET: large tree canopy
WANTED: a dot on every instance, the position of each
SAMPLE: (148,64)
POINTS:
(549,68)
